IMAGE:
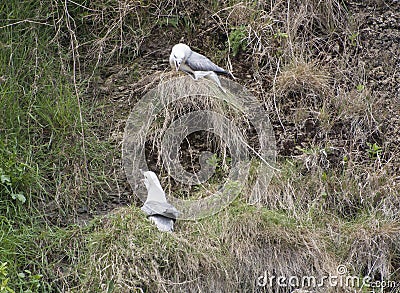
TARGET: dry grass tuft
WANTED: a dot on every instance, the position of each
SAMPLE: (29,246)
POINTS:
(302,78)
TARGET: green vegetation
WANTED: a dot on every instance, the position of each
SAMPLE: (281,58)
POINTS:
(70,73)
(374,150)
(237,39)
(353,38)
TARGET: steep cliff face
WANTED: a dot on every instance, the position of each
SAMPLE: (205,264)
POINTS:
(327,75)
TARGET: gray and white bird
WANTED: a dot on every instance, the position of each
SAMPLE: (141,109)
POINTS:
(156,206)
(196,65)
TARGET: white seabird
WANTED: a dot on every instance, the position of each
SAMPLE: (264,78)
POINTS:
(156,206)
(196,65)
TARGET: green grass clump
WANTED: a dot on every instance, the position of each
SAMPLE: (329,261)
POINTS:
(238,39)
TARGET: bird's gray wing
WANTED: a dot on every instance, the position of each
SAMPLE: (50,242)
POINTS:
(160,208)
(163,223)
(198,62)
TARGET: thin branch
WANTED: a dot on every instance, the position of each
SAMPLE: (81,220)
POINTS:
(23,21)
(274,92)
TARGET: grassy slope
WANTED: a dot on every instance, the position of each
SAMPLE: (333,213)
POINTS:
(334,202)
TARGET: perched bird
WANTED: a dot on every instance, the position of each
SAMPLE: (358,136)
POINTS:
(156,206)
(196,65)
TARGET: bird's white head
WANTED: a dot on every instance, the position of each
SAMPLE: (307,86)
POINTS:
(151,180)
(178,55)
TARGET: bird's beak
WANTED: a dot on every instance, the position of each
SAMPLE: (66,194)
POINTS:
(177,64)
